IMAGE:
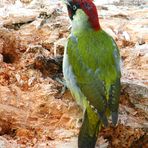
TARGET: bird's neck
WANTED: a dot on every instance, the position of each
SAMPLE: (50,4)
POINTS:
(82,22)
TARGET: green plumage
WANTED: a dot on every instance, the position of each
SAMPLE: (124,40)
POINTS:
(92,72)
(95,62)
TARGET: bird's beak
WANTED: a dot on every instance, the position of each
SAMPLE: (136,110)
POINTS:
(66,2)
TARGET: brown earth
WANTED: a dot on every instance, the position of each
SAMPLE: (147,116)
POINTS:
(33,112)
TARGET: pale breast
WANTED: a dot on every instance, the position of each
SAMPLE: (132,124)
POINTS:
(71,81)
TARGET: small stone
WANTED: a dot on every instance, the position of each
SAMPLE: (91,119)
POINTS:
(1,58)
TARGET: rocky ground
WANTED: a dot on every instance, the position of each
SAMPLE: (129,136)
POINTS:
(33,112)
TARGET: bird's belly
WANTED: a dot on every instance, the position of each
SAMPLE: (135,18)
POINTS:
(71,82)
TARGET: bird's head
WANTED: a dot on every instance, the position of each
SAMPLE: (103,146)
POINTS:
(89,9)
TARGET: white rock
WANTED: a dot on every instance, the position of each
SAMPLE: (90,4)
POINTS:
(126,36)
(1,58)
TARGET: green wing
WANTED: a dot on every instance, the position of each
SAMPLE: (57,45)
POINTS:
(95,59)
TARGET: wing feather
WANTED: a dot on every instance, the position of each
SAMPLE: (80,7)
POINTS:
(95,63)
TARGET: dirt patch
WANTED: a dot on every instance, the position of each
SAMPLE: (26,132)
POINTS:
(33,110)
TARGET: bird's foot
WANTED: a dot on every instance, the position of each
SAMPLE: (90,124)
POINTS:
(64,87)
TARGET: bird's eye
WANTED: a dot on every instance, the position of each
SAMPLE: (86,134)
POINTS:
(74,7)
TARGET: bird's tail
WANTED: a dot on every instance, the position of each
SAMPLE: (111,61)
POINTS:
(89,130)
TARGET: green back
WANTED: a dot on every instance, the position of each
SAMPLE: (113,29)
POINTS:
(94,53)
(95,62)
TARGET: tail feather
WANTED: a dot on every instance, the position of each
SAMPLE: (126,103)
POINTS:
(89,131)
(103,118)
(114,117)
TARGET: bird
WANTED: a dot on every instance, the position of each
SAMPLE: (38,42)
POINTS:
(91,69)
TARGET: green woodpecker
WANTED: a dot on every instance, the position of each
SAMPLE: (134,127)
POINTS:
(91,68)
